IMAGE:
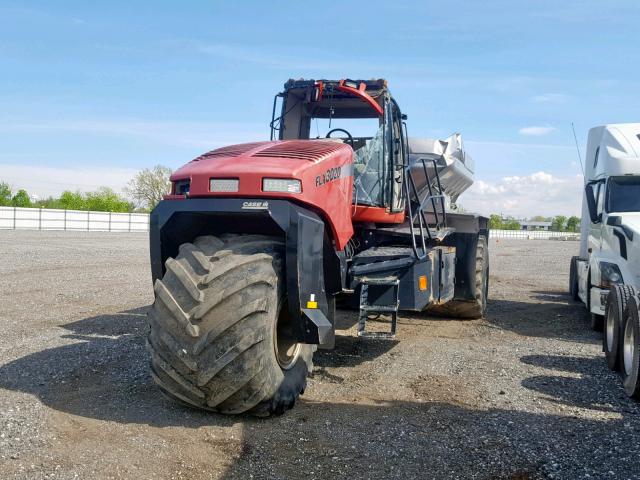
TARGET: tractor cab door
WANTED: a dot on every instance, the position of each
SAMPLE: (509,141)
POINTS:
(399,157)
(379,171)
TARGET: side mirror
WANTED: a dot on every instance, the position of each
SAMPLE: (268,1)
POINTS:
(591,204)
(614,221)
(403,116)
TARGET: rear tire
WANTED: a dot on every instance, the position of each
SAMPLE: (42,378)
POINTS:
(472,309)
(573,279)
(219,338)
(630,350)
(613,323)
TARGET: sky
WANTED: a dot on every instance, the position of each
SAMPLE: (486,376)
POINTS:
(91,92)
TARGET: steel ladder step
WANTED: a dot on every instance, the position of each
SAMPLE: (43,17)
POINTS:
(366,308)
(379,308)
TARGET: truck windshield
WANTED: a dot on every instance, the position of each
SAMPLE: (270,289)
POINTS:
(623,194)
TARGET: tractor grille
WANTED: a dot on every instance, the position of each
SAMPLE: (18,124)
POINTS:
(230,151)
(300,150)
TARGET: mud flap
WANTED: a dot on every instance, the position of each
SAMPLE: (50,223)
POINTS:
(305,279)
(318,329)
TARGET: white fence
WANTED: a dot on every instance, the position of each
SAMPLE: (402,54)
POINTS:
(16,218)
(533,234)
(13,218)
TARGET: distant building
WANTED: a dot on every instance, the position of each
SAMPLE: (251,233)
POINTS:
(531,225)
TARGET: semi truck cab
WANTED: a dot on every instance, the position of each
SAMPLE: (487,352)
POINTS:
(610,227)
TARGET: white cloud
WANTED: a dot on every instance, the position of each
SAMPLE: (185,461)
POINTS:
(551,98)
(539,193)
(535,131)
(46,181)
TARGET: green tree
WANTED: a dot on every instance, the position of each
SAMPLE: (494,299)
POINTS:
(558,222)
(5,194)
(495,222)
(21,199)
(106,200)
(511,224)
(72,201)
(102,200)
(49,202)
(572,223)
(538,218)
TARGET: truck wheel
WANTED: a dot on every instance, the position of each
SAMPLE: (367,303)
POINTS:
(630,350)
(220,332)
(471,309)
(613,323)
(573,278)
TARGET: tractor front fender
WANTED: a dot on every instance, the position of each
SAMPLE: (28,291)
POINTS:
(308,259)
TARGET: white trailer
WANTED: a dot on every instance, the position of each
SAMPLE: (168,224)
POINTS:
(605,276)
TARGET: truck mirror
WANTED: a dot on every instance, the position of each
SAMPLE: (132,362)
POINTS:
(614,221)
(591,204)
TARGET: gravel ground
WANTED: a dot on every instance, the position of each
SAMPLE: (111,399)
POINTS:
(522,394)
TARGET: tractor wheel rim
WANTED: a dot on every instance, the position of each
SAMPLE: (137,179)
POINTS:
(286,348)
(610,328)
(629,348)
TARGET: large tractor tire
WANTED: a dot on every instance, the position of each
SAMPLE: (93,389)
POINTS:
(220,331)
(477,308)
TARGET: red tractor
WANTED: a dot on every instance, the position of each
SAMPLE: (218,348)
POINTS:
(256,241)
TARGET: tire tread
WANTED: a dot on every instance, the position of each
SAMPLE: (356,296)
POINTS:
(211,325)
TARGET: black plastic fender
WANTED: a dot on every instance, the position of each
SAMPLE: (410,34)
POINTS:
(174,222)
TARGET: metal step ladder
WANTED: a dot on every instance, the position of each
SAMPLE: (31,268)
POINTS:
(366,308)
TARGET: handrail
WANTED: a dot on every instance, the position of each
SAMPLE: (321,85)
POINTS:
(414,202)
(411,218)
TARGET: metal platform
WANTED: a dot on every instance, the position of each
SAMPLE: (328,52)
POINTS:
(405,232)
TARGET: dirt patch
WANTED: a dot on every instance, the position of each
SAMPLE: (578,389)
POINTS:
(441,388)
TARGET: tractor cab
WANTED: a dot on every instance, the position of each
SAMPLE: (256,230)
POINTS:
(363,115)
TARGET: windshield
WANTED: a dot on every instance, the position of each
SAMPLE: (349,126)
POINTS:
(357,127)
(623,194)
(369,167)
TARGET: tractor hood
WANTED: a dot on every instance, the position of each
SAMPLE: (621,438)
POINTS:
(250,163)
(316,173)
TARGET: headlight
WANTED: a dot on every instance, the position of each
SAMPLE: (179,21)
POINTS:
(285,185)
(224,185)
(609,274)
